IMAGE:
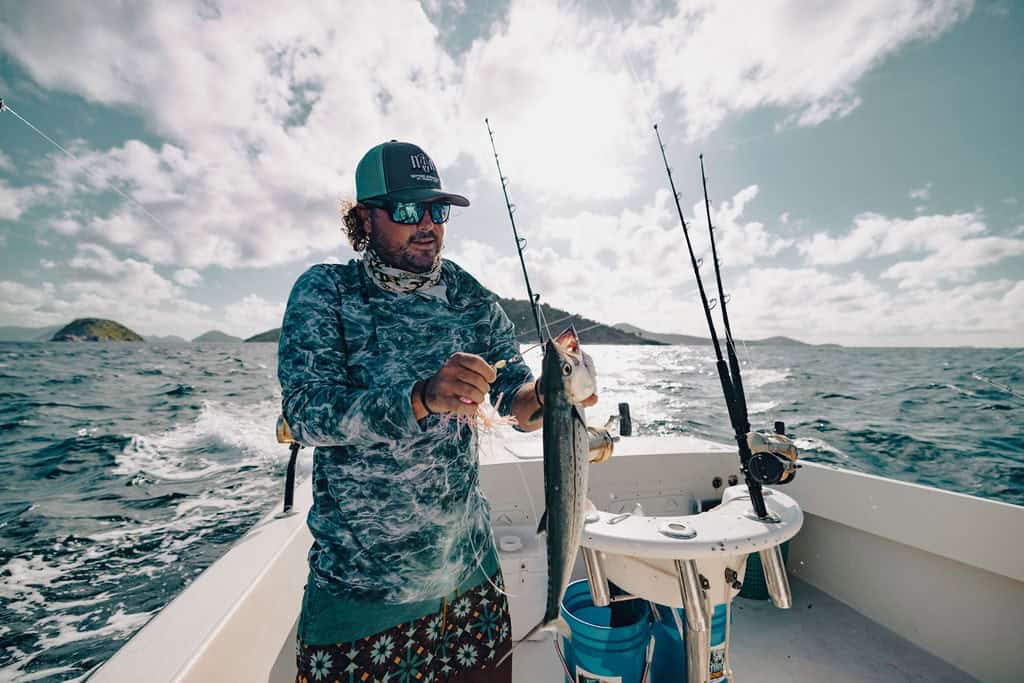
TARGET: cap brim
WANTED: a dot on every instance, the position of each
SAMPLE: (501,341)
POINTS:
(424,194)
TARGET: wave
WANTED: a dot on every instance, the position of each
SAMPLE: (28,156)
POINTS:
(759,377)
(190,451)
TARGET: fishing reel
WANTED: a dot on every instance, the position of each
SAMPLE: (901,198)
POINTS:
(773,457)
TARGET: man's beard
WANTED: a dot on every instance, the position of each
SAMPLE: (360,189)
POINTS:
(403,256)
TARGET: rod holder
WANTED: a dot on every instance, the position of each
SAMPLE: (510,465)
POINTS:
(775,577)
(698,623)
(600,594)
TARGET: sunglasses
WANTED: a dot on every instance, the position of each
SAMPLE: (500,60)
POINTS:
(411,213)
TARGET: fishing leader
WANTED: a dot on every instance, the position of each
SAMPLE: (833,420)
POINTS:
(384,362)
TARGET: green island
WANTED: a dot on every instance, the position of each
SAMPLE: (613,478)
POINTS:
(95,329)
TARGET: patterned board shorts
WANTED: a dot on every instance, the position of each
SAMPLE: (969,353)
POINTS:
(460,643)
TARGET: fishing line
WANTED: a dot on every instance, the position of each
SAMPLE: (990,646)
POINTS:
(555,322)
(6,107)
(981,378)
(997,385)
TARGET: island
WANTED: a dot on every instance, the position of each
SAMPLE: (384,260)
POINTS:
(268,336)
(590,331)
(215,336)
(95,329)
(690,340)
(518,310)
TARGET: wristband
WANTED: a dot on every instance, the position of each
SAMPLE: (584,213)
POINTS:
(423,397)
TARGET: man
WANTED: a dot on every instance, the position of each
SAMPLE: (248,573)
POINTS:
(378,359)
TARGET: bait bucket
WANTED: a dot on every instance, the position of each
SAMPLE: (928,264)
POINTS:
(609,644)
(669,661)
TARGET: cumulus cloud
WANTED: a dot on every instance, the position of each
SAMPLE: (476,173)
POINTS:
(862,311)
(6,164)
(585,119)
(104,285)
(252,315)
(264,115)
(953,247)
(922,193)
(877,235)
(738,242)
(596,263)
(186,277)
(721,58)
(15,200)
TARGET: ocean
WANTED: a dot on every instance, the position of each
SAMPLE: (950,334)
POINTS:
(127,469)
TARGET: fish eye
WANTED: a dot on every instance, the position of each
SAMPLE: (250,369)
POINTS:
(566,369)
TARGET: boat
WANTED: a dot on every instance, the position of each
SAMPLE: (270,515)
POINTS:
(889,580)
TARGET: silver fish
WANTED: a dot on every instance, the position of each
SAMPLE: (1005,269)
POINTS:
(568,378)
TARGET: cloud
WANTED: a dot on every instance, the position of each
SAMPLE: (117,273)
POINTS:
(876,235)
(568,117)
(252,315)
(595,263)
(862,311)
(104,285)
(15,200)
(66,224)
(721,58)
(263,116)
(186,277)
(6,164)
(922,193)
(738,242)
(249,103)
(954,261)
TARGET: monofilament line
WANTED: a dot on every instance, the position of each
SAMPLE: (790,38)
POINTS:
(7,107)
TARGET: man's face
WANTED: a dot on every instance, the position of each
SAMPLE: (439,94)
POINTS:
(409,247)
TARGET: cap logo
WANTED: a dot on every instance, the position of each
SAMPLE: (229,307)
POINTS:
(421,162)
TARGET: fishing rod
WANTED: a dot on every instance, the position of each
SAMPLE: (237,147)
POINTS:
(731,384)
(730,346)
(520,242)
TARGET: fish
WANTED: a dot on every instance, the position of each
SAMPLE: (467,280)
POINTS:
(568,379)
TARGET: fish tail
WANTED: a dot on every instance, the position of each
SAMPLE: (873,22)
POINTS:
(557,625)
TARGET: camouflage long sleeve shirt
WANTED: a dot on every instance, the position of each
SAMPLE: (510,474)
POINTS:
(397,514)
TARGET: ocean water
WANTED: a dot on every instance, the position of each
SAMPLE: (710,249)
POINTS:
(127,469)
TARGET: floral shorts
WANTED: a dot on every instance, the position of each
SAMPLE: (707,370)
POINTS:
(461,643)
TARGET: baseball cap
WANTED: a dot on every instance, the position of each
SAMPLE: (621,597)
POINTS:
(401,172)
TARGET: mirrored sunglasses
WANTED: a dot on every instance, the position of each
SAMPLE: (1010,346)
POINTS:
(411,213)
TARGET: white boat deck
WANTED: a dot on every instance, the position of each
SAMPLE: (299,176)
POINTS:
(819,639)
(890,581)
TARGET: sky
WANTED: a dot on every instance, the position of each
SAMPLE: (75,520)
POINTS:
(863,157)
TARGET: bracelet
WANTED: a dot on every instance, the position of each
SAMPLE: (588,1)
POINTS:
(536,392)
(423,397)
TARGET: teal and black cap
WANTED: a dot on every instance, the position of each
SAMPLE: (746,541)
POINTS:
(401,172)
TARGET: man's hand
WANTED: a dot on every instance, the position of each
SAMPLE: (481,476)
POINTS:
(459,386)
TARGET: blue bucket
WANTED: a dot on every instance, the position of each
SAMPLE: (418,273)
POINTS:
(669,661)
(599,649)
